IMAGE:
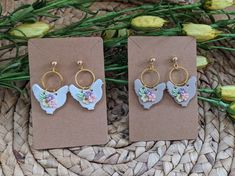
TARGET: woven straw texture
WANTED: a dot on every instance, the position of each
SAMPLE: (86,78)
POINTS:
(212,153)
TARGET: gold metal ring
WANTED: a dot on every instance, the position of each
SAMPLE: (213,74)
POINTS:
(149,70)
(44,77)
(88,71)
(176,67)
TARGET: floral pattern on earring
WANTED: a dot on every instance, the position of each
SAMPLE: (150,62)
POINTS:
(146,95)
(149,94)
(180,94)
(50,99)
(183,94)
(86,97)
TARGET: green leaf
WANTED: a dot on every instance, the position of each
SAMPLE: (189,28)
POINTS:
(42,96)
(80,95)
(21,14)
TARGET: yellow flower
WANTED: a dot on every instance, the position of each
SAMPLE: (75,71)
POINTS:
(147,22)
(202,62)
(30,30)
(226,93)
(217,4)
(231,110)
(201,32)
(123,32)
(108,34)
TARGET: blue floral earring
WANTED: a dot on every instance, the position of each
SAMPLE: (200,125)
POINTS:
(181,92)
(149,94)
(87,96)
(50,98)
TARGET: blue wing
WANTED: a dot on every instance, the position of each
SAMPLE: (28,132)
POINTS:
(170,87)
(37,90)
(191,88)
(97,88)
(74,91)
(61,96)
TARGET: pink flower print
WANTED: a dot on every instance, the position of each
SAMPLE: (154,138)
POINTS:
(52,104)
(88,97)
(185,96)
(152,97)
(180,94)
(48,100)
(49,97)
(146,95)
(91,98)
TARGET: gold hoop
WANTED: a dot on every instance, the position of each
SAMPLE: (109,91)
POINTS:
(51,72)
(151,68)
(84,70)
(177,67)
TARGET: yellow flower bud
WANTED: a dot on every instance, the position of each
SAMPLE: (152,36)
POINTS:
(217,4)
(226,93)
(147,22)
(108,34)
(202,62)
(201,32)
(30,30)
(231,110)
(123,32)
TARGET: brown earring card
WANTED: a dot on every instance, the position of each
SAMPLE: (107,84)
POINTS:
(165,120)
(71,125)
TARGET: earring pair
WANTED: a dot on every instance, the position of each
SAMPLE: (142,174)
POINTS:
(52,98)
(150,94)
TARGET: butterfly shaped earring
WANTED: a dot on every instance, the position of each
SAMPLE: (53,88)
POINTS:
(149,94)
(182,92)
(52,98)
(87,96)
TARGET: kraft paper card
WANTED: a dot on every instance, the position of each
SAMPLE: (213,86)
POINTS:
(165,120)
(71,125)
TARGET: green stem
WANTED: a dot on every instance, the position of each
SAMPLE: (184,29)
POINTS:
(218,39)
(222,23)
(227,35)
(119,81)
(205,90)
(116,68)
(221,47)
(214,102)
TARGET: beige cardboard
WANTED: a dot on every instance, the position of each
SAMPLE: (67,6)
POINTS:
(71,125)
(165,120)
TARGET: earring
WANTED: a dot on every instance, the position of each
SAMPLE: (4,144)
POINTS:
(87,96)
(149,94)
(182,92)
(53,98)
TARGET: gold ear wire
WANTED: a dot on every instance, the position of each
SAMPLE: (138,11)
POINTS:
(52,72)
(175,68)
(82,69)
(150,68)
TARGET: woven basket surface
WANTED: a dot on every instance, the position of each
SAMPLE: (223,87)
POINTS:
(212,153)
